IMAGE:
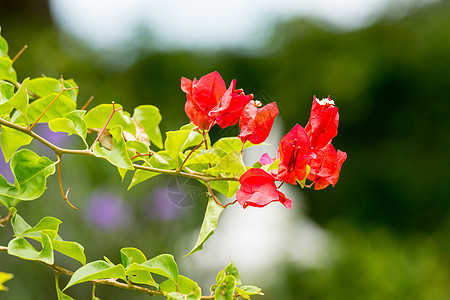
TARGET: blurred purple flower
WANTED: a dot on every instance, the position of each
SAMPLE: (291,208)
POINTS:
(160,206)
(58,138)
(107,211)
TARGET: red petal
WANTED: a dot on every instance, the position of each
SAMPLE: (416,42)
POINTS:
(323,122)
(256,123)
(325,168)
(295,154)
(230,107)
(258,189)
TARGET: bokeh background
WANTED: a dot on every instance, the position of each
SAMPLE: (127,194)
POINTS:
(385,63)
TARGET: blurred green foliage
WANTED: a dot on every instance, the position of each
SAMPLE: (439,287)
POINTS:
(391,208)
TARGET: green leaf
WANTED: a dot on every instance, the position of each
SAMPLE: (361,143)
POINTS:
(230,144)
(20,247)
(225,289)
(232,270)
(131,255)
(70,249)
(19,225)
(203,156)
(164,265)
(246,291)
(149,117)
(7,72)
(6,93)
(232,163)
(3,47)
(44,86)
(59,293)
(178,141)
(140,275)
(118,156)
(20,100)
(72,123)
(31,172)
(11,140)
(3,278)
(49,224)
(184,289)
(220,276)
(96,270)
(159,160)
(59,109)
(213,211)
(141,175)
(99,115)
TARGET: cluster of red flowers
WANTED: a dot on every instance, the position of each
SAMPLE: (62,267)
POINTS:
(304,153)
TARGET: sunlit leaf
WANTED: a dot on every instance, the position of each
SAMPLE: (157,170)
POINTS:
(6,93)
(96,270)
(149,117)
(185,288)
(70,249)
(179,140)
(231,269)
(20,247)
(232,163)
(140,275)
(164,265)
(118,156)
(31,172)
(11,140)
(72,123)
(231,144)
(3,278)
(225,289)
(59,293)
(131,255)
(246,291)
(99,115)
(7,72)
(20,99)
(213,211)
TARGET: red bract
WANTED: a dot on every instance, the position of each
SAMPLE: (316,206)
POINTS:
(326,166)
(201,97)
(323,122)
(209,102)
(258,189)
(295,154)
(256,123)
(230,107)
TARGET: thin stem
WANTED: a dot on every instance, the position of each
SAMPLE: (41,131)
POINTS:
(6,219)
(53,101)
(189,154)
(93,290)
(280,185)
(19,54)
(140,154)
(60,184)
(106,124)
(212,195)
(87,103)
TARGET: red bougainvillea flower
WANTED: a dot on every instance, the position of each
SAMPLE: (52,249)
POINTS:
(256,123)
(323,122)
(258,189)
(325,167)
(202,96)
(208,101)
(295,154)
(230,106)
